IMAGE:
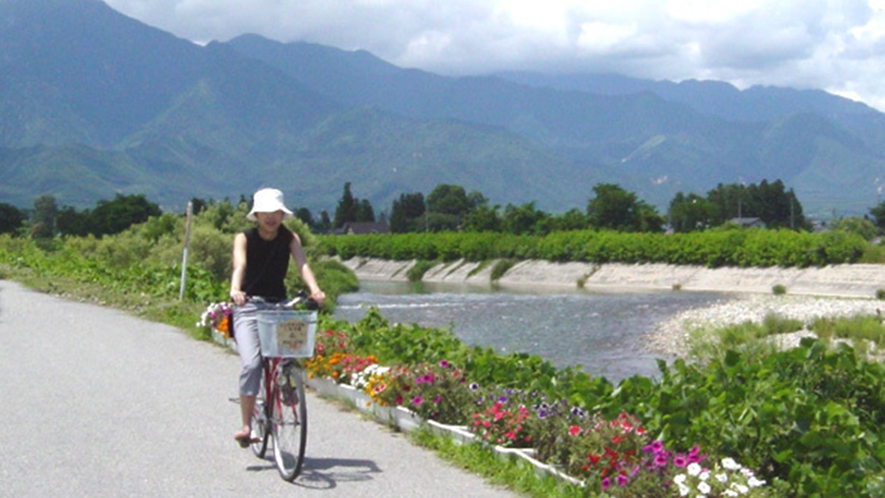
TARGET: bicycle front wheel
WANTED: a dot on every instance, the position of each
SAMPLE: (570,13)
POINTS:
(289,422)
(259,421)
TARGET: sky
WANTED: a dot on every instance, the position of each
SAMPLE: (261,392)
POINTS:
(835,45)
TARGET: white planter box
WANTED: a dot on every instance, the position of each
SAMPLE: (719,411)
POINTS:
(219,339)
(460,434)
(324,386)
(406,419)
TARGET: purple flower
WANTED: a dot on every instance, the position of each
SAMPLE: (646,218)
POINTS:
(443,364)
(436,399)
(474,386)
(502,399)
(417,400)
(605,483)
(680,461)
(622,480)
(660,459)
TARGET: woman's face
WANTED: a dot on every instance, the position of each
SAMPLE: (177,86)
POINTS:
(270,221)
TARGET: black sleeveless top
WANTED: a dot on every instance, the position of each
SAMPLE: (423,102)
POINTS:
(266,264)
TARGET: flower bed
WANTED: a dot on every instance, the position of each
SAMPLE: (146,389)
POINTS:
(615,456)
(781,413)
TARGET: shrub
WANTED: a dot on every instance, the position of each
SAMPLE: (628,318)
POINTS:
(779,290)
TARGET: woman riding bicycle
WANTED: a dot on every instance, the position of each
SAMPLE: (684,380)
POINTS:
(260,262)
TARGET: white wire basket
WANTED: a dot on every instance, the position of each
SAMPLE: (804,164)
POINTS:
(287,333)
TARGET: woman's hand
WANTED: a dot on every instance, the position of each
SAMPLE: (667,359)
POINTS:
(238,297)
(318,296)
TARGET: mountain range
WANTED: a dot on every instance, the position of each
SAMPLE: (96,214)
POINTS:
(94,103)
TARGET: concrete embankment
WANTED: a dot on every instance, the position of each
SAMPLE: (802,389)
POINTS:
(859,280)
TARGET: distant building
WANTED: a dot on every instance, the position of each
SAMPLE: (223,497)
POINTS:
(748,222)
(363,228)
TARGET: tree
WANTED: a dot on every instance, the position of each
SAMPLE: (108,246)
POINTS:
(11,218)
(352,209)
(304,215)
(364,211)
(769,202)
(522,220)
(877,212)
(325,220)
(729,202)
(43,222)
(346,209)
(573,219)
(448,199)
(690,213)
(115,216)
(69,221)
(405,211)
(614,208)
(482,218)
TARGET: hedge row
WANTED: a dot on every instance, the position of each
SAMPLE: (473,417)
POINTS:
(724,248)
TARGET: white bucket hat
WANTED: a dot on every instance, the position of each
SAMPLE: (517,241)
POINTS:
(268,200)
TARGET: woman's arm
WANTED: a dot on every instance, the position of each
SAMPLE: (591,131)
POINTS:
(304,270)
(239,270)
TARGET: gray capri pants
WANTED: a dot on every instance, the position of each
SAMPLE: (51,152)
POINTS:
(246,332)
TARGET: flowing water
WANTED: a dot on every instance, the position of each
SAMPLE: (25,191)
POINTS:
(602,332)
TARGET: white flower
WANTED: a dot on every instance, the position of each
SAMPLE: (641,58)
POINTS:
(704,488)
(729,492)
(755,483)
(683,490)
(730,464)
(723,477)
(704,475)
(679,479)
(741,488)
(694,469)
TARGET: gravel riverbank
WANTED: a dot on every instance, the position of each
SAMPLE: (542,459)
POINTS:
(671,336)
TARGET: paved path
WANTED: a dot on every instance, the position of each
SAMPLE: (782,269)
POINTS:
(98,403)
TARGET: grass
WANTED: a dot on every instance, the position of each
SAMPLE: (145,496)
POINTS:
(857,329)
(417,271)
(516,475)
(500,268)
(711,343)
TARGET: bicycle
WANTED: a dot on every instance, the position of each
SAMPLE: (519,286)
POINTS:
(280,407)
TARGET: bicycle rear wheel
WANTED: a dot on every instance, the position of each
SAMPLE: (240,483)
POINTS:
(289,422)
(259,420)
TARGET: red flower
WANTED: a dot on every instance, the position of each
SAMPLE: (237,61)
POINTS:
(574,430)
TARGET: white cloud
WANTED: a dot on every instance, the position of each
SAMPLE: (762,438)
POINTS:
(829,44)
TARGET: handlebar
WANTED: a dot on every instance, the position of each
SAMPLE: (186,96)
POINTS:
(300,298)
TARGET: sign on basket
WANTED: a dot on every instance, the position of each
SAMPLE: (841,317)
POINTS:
(291,334)
(287,333)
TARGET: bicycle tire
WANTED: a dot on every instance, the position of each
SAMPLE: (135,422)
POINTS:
(259,421)
(289,423)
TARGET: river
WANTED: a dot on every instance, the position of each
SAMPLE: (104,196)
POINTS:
(600,331)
